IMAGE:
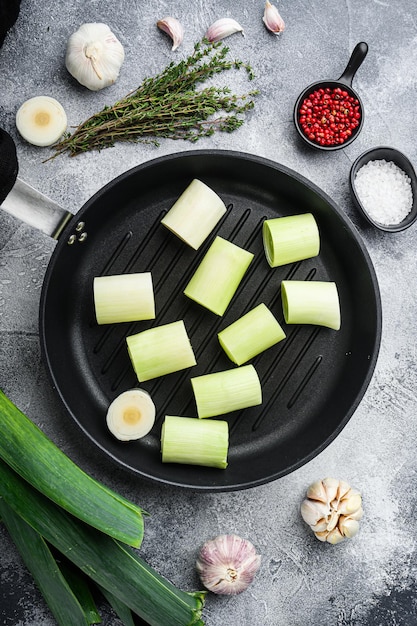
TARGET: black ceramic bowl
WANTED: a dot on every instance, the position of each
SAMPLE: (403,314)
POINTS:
(345,83)
(389,154)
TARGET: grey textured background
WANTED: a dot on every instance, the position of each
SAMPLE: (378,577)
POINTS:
(370,580)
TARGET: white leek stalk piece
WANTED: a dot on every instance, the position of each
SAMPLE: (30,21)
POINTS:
(290,239)
(195,442)
(226,391)
(124,298)
(311,302)
(195,214)
(218,276)
(131,415)
(251,334)
(160,350)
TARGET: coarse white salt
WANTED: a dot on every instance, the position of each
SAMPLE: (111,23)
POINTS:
(385,191)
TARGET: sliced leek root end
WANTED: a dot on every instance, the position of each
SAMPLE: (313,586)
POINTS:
(131,415)
(311,302)
(192,441)
(41,121)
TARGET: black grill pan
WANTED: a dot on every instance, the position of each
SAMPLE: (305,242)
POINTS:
(312,381)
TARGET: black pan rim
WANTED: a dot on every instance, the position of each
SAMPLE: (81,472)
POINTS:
(216,153)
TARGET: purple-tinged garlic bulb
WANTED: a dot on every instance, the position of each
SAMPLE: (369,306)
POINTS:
(272,19)
(332,509)
(227,564)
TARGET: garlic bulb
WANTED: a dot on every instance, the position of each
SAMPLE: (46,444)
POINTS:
(223,28)
(172,27)
(94,56)
(332,509)
(272,19)
(227,564)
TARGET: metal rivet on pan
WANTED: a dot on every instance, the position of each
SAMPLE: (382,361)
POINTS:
(80,226)
(71,240)
(82,237)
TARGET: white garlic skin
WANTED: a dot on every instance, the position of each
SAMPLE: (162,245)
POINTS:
(172,27)
(94,56)
(332,509)
(227,564)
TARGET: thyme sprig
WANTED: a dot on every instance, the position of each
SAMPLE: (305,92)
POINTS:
(169,105)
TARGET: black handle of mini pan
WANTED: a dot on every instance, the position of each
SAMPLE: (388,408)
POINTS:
(356,59)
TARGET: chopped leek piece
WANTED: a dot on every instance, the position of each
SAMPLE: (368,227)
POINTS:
(226,391)
(160,350)
(291,238)
(195,214)
(251,334)
(311,302)
(193,441)
(218,276)
(123,298)
(131,415)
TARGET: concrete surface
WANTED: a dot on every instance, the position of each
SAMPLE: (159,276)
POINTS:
(371,580)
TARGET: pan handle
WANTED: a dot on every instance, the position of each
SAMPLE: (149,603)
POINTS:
(356,59)
(36,209)
(23,201)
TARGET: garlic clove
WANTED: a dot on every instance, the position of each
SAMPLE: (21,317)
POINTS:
(313,511)
(223,28)
(357,515)
(322,536)
(320,527)
(316,491)
(94,56)
(227,564)
(173,28)
(41,120)
(348,526)
(335,536)
(344,487)
(333,520)
(331,485)
(351,503)
(272,19)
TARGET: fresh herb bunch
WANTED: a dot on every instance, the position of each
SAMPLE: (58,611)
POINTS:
(169,105)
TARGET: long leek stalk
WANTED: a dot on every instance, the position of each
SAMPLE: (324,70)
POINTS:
(226,391)
(218,276)
(39,461)
(291,238)
(195,214)
(113,565)
(251,334)
(194,441)
(40,562)
(160,350)
(123,298)
(311,302)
